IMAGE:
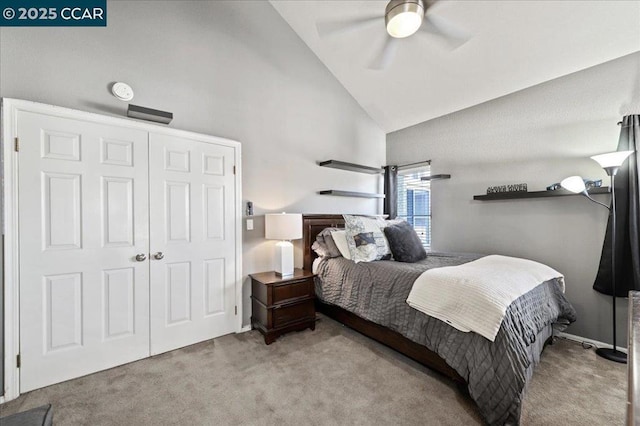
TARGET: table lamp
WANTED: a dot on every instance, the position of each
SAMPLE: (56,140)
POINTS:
(284,227)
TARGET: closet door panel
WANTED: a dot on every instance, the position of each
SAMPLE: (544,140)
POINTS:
(192,199)
(84,299)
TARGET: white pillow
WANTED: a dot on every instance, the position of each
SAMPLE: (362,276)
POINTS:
(340,238)
(365,238)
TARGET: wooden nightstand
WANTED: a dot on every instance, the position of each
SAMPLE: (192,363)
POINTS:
(280,305)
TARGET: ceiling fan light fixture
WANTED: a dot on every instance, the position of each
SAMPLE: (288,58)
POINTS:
(403,17)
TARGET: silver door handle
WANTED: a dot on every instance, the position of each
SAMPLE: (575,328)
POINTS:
(141,257)
(158,256)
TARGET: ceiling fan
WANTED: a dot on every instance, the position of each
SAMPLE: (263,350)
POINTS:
(402,18)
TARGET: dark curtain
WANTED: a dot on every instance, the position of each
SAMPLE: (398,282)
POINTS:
(628,219)
(391,191)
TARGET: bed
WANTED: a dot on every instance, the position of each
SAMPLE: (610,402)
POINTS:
(371,298)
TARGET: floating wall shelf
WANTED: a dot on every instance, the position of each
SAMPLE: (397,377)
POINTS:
(351,194)
(435,177)
(335,164)
(536,194)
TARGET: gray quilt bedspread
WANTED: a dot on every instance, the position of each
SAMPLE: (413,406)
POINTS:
(496,372)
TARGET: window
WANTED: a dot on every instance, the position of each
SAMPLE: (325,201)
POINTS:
(414,201)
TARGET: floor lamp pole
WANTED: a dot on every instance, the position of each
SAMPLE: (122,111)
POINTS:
(613,354)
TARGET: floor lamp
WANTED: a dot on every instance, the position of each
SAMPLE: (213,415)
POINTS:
(611,163)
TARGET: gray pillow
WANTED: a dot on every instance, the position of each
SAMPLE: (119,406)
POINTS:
(404,243)
(324,246)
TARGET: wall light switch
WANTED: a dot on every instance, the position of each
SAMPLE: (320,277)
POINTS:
(249,224)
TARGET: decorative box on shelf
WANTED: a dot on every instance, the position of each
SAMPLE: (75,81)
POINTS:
(514,187)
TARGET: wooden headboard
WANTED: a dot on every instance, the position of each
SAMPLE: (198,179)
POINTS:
(312,224)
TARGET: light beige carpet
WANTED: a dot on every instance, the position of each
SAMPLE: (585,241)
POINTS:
(330,376)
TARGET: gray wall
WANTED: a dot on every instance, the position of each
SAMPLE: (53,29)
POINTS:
(536,136)
(232,69)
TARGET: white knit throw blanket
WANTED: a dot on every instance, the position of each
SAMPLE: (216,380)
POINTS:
(475,296)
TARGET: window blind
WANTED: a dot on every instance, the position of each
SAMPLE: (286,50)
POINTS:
(414,201)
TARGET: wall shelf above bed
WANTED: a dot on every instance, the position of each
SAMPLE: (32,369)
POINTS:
(436,177)
(351,194)
(335,164)
(536,194)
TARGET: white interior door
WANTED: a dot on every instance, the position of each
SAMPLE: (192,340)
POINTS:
(192,201)
(84,299)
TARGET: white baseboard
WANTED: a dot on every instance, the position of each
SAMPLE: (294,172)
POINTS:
(245,328)
(591,342)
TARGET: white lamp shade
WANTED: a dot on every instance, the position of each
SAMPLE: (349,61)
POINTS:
(283,226)
(612,159)
(573,184)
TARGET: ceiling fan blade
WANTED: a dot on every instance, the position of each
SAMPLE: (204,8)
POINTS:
(332,28)
(386,55)
(451,33)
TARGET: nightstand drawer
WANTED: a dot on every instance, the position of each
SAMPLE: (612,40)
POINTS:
(293,312)
(292,290)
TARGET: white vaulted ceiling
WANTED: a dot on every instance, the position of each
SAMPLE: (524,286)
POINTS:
(515,44)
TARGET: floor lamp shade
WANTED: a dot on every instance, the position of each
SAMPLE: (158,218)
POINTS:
(573,184)
(283,227)
(612,159)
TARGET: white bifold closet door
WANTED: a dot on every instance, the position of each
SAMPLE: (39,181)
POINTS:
(83,212)
(127,245)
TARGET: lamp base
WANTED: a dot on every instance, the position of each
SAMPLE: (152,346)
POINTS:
(612,355)
(284,259)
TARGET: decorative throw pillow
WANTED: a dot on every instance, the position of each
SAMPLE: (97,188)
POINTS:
(365,238)
(340,238)
(324,246)
(404,243)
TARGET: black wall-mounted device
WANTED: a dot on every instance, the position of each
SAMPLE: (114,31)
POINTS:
(135,111)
